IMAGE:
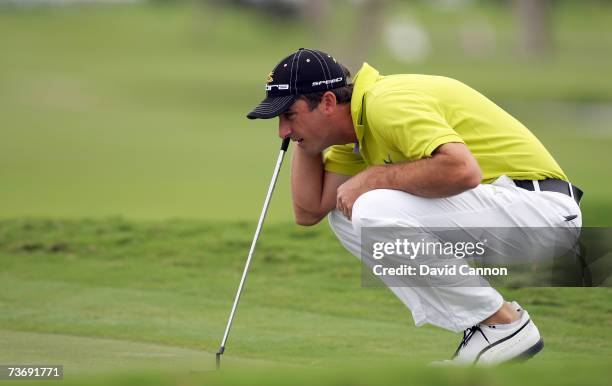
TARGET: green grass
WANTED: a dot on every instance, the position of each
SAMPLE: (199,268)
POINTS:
(358,376)
(138,110)
(102,294)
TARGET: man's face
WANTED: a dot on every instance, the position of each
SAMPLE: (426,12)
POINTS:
(307,128)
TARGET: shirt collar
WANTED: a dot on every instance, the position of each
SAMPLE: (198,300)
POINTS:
(364,78)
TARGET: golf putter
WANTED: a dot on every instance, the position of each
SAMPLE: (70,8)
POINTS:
(262,216)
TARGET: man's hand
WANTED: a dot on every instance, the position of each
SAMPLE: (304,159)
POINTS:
(348,192)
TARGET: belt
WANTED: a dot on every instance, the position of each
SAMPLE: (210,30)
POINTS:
(551,185)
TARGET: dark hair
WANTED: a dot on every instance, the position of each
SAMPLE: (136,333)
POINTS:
(343,94)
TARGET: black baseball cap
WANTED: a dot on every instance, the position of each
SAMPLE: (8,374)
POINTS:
(304,71)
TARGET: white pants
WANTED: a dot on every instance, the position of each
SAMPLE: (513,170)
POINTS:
(500,204)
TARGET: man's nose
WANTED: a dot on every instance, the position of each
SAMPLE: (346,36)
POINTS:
(284,130)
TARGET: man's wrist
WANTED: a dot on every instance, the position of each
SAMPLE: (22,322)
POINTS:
(372,178)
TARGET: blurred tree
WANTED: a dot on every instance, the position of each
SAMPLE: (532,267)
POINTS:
(315,12)
(328,30)
(286,8)
(535,34)
(368,30)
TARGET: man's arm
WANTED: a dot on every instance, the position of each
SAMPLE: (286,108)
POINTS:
(452,169)
(312,188)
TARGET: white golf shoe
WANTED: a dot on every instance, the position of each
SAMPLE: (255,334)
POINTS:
(489,345)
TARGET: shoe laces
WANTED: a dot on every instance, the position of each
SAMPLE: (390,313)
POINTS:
(467,335)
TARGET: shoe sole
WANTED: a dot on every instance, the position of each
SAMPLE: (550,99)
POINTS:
(530,352)
(522,357)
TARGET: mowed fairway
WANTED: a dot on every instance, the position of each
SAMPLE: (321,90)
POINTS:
(100,295)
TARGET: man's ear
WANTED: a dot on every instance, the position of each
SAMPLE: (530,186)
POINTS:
(329,102)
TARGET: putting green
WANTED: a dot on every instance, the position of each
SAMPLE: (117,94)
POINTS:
(84,355)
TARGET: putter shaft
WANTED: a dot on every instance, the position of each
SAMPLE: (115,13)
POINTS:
(262,216)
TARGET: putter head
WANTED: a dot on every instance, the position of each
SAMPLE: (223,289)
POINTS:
(218,357)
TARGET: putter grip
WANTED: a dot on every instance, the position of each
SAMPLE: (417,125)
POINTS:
(285,144)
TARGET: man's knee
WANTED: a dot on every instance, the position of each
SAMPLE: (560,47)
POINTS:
(382,207)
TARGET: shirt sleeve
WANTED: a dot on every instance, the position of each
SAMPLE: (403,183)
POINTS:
(410,122)
(342,159)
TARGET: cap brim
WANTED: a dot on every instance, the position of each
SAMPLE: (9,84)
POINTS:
(272,107)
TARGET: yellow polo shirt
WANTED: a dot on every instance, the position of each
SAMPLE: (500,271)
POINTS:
(406,117)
